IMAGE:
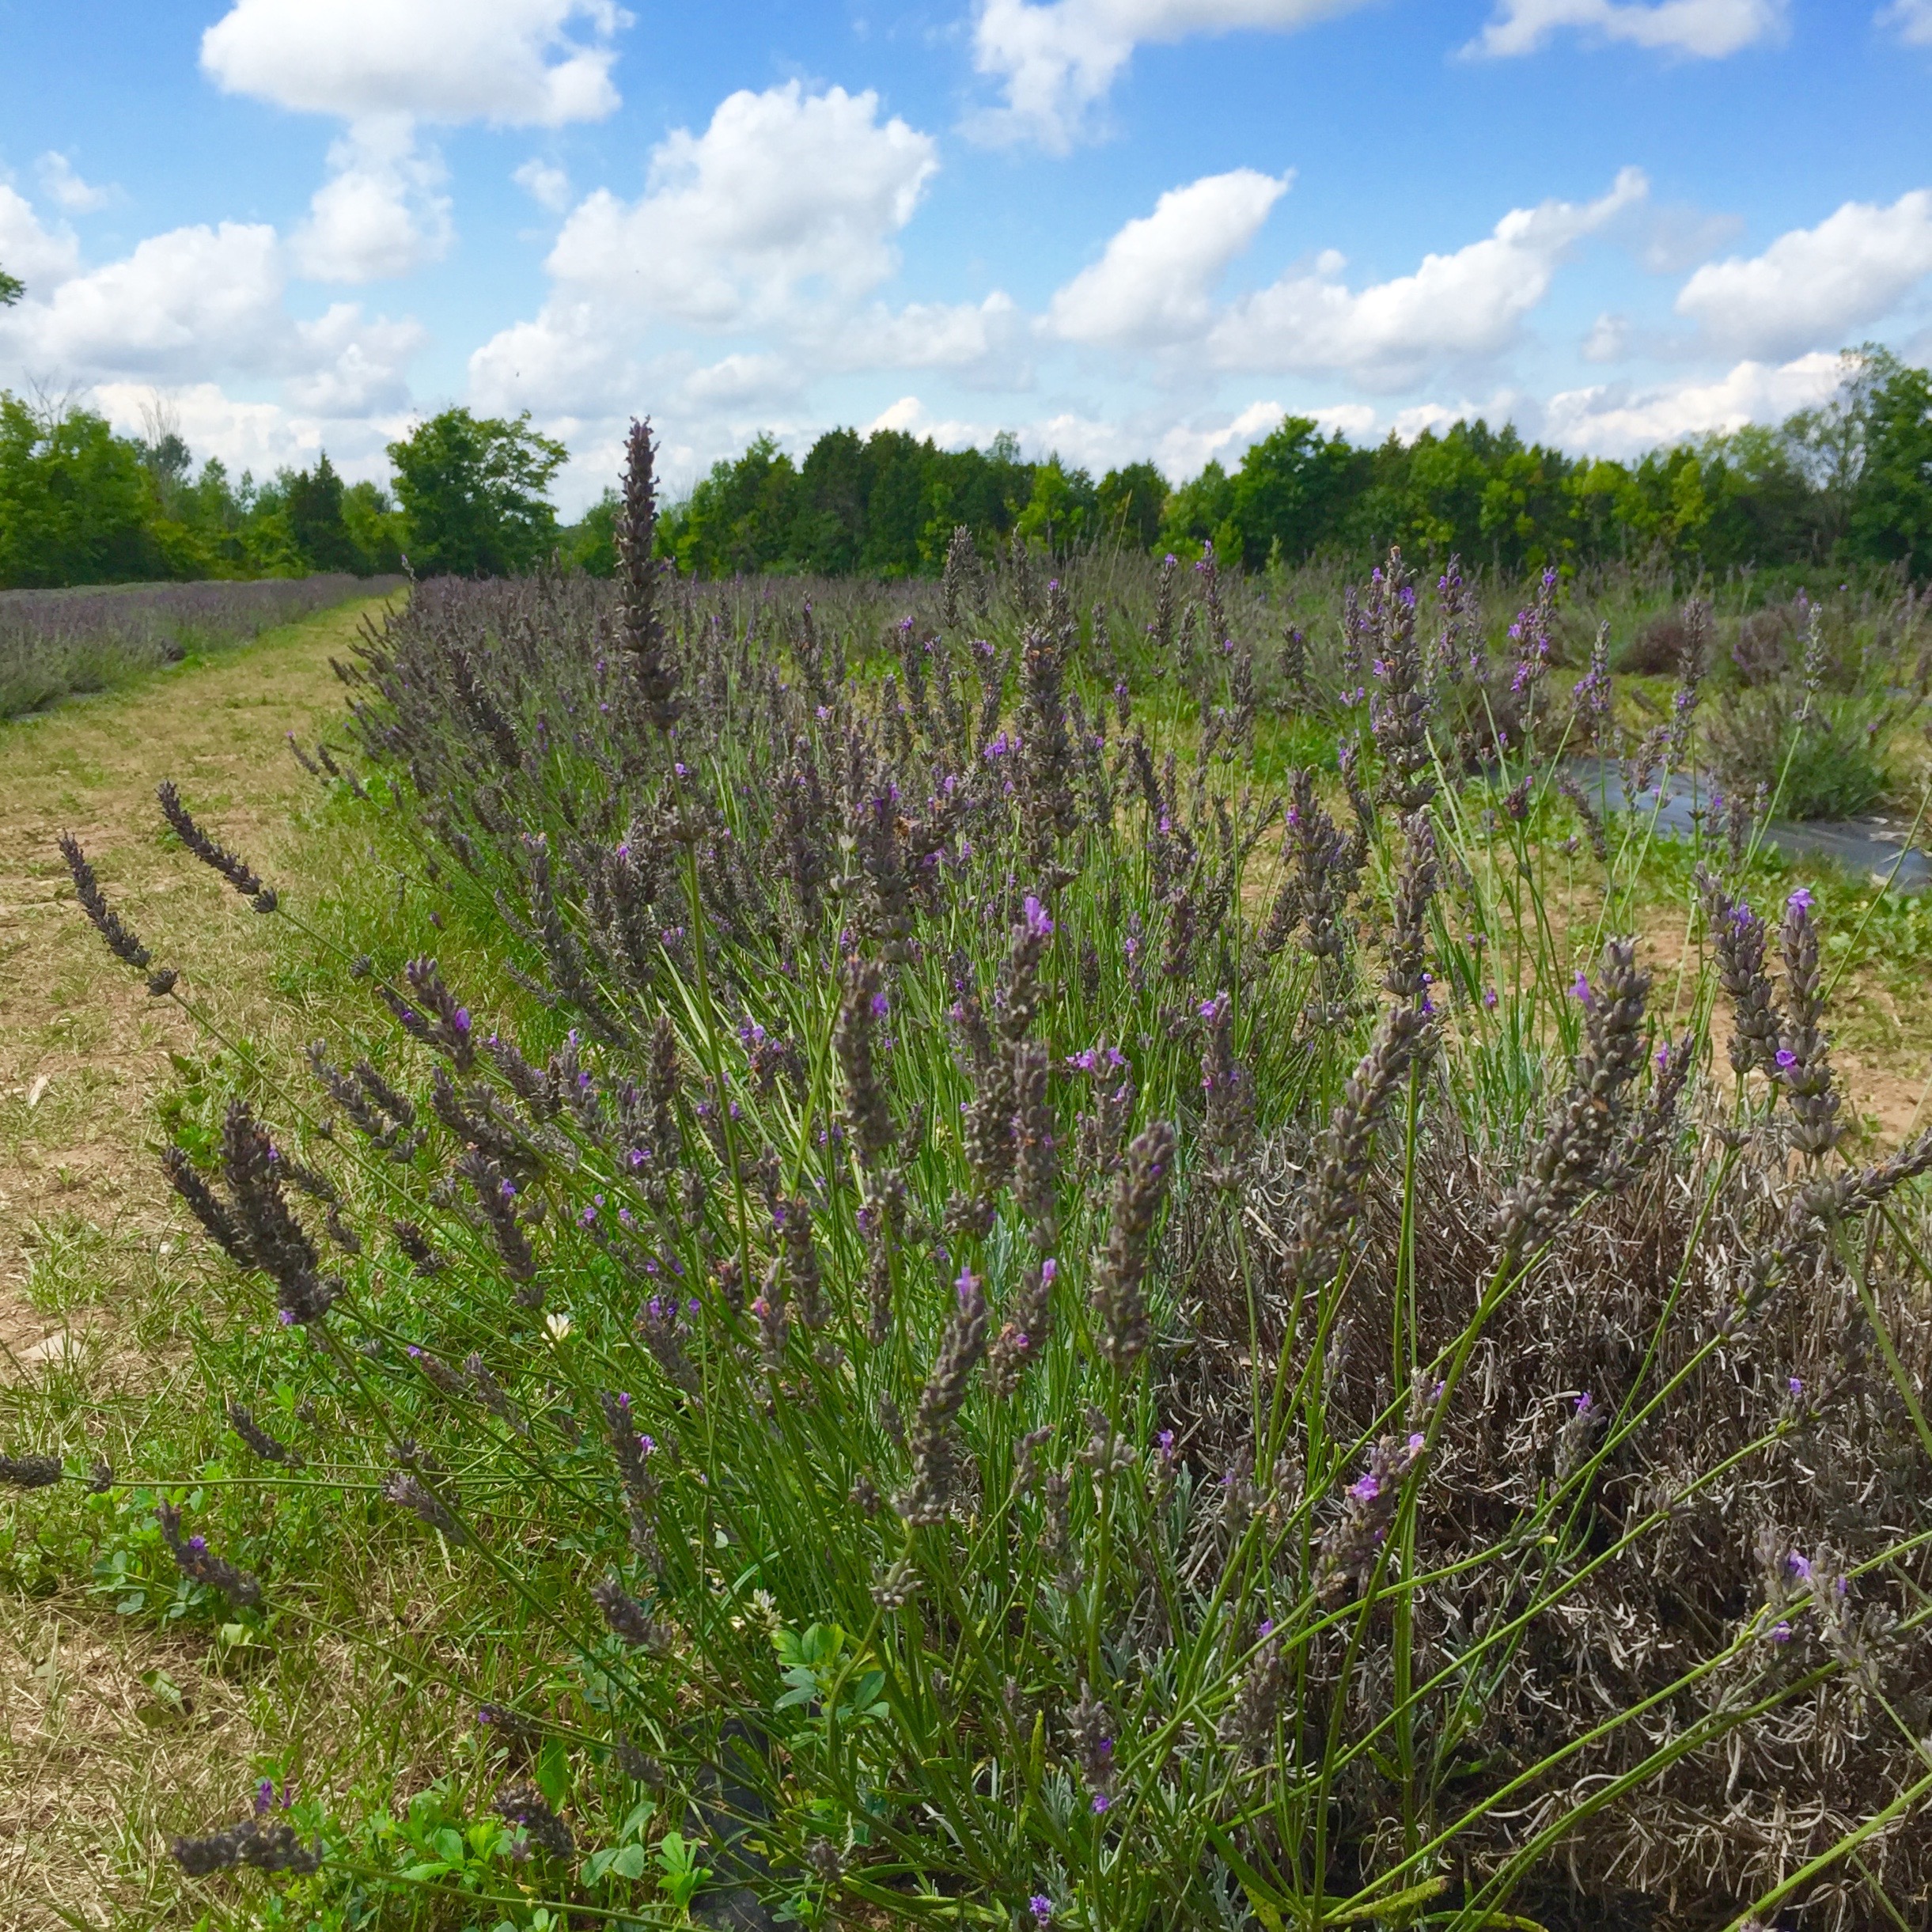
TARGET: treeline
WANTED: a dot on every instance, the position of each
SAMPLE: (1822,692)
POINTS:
(81,504)
(1849,483)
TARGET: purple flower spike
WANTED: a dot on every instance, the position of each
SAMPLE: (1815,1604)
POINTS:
(1041,1906)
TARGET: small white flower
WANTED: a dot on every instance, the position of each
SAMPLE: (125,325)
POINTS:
(559,1325)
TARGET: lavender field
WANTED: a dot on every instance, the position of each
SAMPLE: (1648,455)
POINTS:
(1071,1247)
(54,643)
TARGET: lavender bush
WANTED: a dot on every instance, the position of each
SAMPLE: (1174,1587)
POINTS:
(53,642)
(1033,1331)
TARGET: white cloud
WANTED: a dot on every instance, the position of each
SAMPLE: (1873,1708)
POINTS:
(180,302)
(261,437)
(1459,307)
(982,340)
(741,382)
(189,305)
(1911,20)
(1155,281)
(1609,340)
(1057,61)
(781,217)
(567,360)
(513,62)
(1814,287)
(66,189)
(1707,29)
(1620,421)
(378,214)
(342,364)
(784,194)
(546,185)
(41,257)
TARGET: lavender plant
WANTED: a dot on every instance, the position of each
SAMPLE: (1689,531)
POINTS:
(1034,1351)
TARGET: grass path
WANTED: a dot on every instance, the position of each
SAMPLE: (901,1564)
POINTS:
(110,1735)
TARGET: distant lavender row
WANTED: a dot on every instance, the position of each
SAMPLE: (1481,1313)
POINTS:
(55,641)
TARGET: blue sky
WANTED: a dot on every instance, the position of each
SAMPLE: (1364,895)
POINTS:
(1120,228)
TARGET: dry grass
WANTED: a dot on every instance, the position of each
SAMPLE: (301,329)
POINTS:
(112,1734)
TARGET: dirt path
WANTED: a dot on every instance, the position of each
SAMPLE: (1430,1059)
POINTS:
(107,1730)
(82,1049)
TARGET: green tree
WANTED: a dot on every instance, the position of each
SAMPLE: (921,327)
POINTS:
(1890,519)
(313,502)
(1131,501)
(1060,507)
(740,517)
(1292,492)
(75,505)
(375,528)
(1199,513)
(12,289)
(590,544)
(474,493)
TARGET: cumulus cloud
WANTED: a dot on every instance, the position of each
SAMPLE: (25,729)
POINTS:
(39,255)
(1911,20)
(188,306)
(1814,287)
(1155,281)
(261,437)
(379,214)
(65,188)
(1454,308)
(1619,420)
(1705,29)
(1056,61)
(782,215)
(513,63)
(982,342)
(784,194)
(546,184)
(181,301)
(1609,340)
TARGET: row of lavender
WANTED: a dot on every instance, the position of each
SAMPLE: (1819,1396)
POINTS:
(1029,1327)
(53,642)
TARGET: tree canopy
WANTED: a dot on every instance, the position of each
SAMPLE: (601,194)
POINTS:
(474,493)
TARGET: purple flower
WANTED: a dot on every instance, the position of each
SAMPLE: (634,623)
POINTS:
(1049,1269)
(1799,1565)
(1489,998)
(880,1006)
(1786,1059)
(1580,986)
(1101,1803)
(1366,1489)
(1794,1385)
(1037,923)
(1779,1632)
(1041,1906)
(1800,901)
(1164,1443)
